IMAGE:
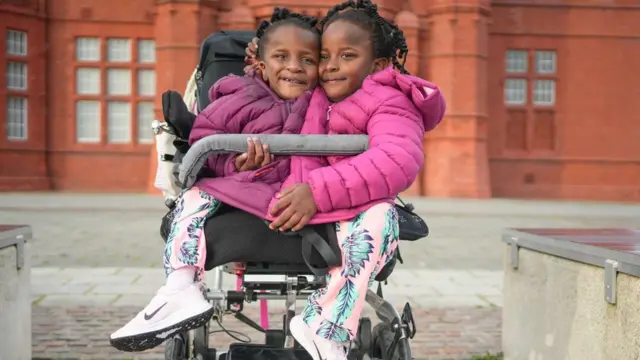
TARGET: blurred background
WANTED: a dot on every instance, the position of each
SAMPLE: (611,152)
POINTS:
(542,130)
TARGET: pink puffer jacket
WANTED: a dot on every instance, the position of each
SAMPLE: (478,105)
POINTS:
(395,110)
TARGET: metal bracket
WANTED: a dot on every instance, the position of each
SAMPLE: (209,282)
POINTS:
(610,281)
(17,241)
(513,251)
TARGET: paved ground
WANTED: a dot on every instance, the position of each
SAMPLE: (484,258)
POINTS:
(452,278)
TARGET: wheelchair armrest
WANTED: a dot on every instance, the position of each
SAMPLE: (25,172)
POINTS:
(310,145)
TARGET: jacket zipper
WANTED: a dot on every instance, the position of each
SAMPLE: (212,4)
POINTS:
(329,112)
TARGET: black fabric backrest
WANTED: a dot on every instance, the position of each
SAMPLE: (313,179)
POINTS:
(221,54)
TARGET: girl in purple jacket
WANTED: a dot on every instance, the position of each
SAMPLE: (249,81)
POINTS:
(364,90)
(271,101)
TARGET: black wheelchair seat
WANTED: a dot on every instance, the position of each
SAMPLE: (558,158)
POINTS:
(233,235)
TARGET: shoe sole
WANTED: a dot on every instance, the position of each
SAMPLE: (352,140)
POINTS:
(146,341)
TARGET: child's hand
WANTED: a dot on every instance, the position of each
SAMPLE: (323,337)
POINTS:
(297,206)
(257,156)
(251,52)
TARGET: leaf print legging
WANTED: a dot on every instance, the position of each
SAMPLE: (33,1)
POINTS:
(367,242)
(186,243)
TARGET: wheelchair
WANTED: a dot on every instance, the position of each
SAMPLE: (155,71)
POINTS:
(244,245)
(240,246)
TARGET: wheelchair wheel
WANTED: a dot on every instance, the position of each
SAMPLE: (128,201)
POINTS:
(382,340)
(176,348)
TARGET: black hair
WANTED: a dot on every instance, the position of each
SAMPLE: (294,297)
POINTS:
(387,38)
(280,17)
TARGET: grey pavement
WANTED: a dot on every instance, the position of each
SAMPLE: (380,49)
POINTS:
(121,230)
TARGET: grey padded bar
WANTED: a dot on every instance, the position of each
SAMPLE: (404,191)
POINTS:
(310,145)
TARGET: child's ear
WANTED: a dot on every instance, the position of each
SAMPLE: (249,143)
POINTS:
(379,64)
(261,67)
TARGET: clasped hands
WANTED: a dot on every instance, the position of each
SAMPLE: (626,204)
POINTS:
(295,206)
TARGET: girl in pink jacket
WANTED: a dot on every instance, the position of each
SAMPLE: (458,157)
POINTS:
(364,90)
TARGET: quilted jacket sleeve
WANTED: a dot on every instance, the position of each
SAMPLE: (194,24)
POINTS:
(226,114)
(391,164)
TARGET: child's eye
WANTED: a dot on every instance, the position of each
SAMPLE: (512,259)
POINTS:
(348,56)
(309,61)
(279,56)
(324,56)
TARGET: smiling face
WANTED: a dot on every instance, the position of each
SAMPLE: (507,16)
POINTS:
(289,60)
(346,59)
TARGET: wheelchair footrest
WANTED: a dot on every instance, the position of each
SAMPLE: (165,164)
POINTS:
(265,352)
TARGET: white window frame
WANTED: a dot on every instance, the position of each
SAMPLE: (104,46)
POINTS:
(17,75)
(91,121)
(88,49)
(516,61)
(515,91)
(17,118)
(545,62)
(17,43)
(544,92)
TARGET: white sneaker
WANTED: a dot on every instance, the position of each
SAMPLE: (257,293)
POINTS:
(168,313)
(318,347)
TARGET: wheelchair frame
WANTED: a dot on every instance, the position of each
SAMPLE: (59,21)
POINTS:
(256,283)
(290,286)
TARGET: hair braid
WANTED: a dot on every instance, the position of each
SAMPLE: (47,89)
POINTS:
(284,16)
(387,38)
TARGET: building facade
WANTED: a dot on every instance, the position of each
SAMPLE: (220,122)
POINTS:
(542,95)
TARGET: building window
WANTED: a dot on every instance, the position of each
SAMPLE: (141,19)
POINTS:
(117,93)
(88,121)
(118,82)
(145,117)
(520,77)
(17,108)
(16,43)
(118,122)
(88,49)
(119,50)
(16,76)
(146,51)
(88,81)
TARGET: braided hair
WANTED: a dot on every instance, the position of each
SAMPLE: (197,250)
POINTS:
(387,38)
(280,17)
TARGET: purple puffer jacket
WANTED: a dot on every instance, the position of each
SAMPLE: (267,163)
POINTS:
(394,110)
(246,105)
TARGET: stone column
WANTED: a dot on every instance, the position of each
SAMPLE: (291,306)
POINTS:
(180,27)
(457,162)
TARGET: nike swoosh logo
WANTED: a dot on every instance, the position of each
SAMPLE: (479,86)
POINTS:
(149,316)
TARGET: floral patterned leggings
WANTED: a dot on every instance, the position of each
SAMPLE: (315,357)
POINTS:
(367,242)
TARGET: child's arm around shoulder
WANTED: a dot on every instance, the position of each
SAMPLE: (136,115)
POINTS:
(228,113)
(394,159)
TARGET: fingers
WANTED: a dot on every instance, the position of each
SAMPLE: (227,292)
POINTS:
(302,223)
(267,155)
(282,219)
(286,191)
(294,219)
(259,152)
(251,152)
(279,205)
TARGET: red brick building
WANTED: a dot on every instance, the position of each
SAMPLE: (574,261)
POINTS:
(543,96)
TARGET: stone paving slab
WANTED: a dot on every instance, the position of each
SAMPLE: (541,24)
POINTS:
(82,332)
(70,287)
